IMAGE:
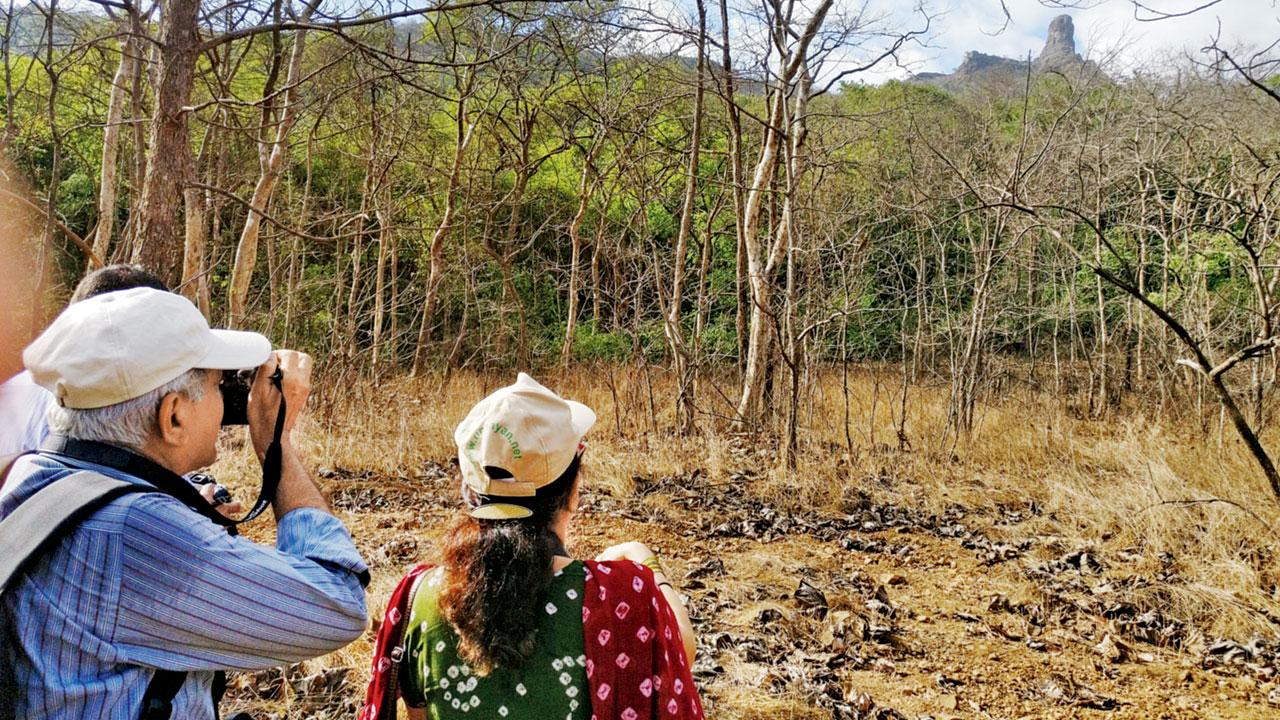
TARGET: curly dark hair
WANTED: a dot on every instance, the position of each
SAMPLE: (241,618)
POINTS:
(497,576)
(116,277)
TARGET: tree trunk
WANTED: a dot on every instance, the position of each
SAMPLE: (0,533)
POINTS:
(596,293)
(55,166)
(509,294)
(171,165)
(1104,342)
(741,290)
(586,189)
(675,334)
(193,250)
(451,362)
(111,147)
(272,164)
(6,55)
(393,302)
(760,281)
(702,304)
(138,170)
(386,237)
(357,266)
(462,140)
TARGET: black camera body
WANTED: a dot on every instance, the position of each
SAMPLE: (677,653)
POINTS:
(235,386)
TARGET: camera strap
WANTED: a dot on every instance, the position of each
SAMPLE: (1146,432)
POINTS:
(169,482)
(117,458)
(273,461)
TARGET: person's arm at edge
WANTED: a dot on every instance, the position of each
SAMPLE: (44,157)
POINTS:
(639,553)
(681,612)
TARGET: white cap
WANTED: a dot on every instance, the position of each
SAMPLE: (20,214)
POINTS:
(524,429)
(120,345)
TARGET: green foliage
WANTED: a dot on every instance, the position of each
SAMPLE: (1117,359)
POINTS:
(590,344)
(895,201)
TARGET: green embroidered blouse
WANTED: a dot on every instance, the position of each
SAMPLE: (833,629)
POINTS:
(551,684)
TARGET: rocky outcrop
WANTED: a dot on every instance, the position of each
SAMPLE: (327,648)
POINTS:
(1059,52)
(992,72)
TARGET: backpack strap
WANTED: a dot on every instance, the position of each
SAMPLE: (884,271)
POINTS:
(45,520)
(6,464)
(381,694)
(50,515)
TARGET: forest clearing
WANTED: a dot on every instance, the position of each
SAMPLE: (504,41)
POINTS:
(1056,567)
(934,350)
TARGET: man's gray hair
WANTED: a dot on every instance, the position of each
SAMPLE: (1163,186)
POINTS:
(128,424)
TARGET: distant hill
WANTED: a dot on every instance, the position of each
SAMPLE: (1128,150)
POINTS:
(992,73)
(27,28)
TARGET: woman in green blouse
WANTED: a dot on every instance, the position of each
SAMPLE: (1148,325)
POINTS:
(497,630)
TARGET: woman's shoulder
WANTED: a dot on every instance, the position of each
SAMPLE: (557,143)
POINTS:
(620,573)
(425,606)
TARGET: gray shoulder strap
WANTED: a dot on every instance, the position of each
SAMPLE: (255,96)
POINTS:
(53,513)
(6,464)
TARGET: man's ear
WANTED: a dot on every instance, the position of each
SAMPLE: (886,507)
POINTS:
(171,419)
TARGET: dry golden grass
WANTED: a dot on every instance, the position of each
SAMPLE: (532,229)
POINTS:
(1114,484)
(1094,480)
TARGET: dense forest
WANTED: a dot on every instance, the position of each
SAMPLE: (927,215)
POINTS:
(401,187)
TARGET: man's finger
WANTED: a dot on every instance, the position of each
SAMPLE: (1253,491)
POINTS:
(206,491)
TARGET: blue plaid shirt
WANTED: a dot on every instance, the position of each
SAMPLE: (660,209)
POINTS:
(147,583)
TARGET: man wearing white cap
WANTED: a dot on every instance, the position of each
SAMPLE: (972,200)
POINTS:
(152,585)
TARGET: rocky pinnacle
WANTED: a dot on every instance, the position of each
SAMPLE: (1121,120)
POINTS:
(993,71)
(1061,42)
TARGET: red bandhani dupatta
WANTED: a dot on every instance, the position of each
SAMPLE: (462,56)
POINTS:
(636,666)
(380,696)
(635,659)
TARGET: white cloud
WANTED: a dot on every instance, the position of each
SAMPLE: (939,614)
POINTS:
(1104,29)
(1102,26)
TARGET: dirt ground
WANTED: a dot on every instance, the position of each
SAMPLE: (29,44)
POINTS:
(865,611)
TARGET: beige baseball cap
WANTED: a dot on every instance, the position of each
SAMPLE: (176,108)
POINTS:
(120,345)
(525,430)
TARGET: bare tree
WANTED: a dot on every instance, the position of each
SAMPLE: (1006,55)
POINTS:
(799,47)
(272,151)
(132,29)
(465,84)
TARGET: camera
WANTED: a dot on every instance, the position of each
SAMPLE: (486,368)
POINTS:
(235,386)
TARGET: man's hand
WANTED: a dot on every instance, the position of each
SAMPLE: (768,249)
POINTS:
(228,509)
(264,400)
(297,489)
